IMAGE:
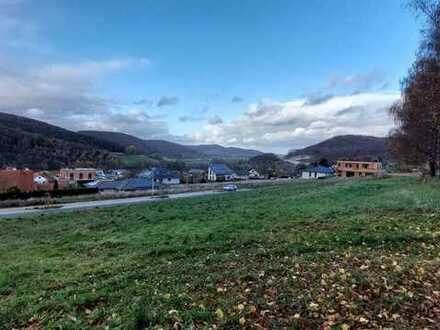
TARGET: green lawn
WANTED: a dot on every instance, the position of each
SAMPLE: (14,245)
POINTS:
(329,254)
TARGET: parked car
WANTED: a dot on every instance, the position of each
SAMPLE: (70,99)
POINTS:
(230,187)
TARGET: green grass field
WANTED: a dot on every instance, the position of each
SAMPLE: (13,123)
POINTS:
(327,254)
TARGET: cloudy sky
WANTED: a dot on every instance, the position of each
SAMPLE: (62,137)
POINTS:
(270,75)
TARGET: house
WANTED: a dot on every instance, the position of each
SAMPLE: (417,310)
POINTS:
(194,175)
(131,184)
(147,173)
(165,176)
(40,180)
(77,175)
(351,168)
(118,174)
(317,172)
(19,179)
(241,175)
(45,181)
(100,174)
(220,172)
(255,175)
(161,175)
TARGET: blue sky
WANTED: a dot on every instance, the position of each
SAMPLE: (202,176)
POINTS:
(272,75)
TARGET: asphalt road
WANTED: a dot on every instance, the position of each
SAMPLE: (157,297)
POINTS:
(32,210)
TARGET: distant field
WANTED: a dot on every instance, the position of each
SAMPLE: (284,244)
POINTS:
(329,254)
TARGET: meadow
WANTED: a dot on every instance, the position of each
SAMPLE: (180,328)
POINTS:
(330,254)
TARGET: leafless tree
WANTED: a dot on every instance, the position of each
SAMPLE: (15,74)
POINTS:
(429,11)
(417,138)
(417,115)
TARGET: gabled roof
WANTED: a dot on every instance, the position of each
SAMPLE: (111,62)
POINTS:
(145,173)
(110,185)
(137,184)
(221,169)
(196,171)
(320,169)
(127,184)
(159,173)
(164,173)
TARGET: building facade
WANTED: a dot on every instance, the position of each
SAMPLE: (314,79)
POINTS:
(77,174)
(45,181)
(349,168)
(74,177)
(317,172)
(23,180)
(162,175)
(255,175)
(220,172)
(194,176)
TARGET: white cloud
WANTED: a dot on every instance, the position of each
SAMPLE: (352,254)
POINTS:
(15,27)
(281,126)
(216,120)
(62,94)
(375,79)
(34,112)
(89,69)
(167,101)
(130,121)
(57,89)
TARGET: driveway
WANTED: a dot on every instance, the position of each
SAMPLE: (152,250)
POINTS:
(32,210)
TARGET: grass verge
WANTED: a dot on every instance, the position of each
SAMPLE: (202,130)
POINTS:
(328,254)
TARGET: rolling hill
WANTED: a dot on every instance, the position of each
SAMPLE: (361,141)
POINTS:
(360,147)
(173,150)
(120,139)
(159,148)
(220,152)
(26,142)
(31,143)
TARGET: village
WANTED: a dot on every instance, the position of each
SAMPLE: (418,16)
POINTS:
(219,165)
(92,180)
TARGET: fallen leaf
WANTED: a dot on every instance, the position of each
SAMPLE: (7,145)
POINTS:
(219,313)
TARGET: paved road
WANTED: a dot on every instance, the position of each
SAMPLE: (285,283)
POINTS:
(31,210)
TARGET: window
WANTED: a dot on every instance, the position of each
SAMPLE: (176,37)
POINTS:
(365,165)
(81,176)
(71,176)
(90,176)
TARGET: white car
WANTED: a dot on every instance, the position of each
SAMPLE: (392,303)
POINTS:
(230,187)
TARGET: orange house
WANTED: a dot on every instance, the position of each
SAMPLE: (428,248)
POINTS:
(21,179)
(351,168)
(70,176)
(78,174)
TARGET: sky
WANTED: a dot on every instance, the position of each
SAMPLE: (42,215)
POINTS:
(267,75)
